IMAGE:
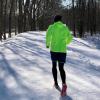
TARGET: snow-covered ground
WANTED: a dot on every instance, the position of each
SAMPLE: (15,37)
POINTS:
(25,69)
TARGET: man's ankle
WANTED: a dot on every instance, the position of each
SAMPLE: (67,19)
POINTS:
(64,84)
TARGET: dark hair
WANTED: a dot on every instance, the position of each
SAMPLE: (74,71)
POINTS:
(57,18)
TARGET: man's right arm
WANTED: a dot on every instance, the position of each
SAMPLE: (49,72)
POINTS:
(48,36)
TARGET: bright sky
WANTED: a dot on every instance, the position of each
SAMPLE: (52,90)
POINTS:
(67,2)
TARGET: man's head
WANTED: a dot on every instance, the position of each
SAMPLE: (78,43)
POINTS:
(57,18)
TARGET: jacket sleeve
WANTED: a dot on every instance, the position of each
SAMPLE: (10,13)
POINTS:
(48,36)
(69,36)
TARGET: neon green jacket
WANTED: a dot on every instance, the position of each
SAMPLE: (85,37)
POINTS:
(58,37)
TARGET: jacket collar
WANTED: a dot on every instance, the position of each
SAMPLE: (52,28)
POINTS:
(59,22)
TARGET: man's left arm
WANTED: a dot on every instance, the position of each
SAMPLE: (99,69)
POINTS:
(69,36)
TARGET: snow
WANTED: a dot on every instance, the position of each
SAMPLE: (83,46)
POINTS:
(25,69)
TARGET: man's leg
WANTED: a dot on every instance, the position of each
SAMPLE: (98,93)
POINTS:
(63,77)
(62,72)
(54,72)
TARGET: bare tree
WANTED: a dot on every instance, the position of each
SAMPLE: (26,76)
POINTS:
(73,7)
(27,15)
(1,19)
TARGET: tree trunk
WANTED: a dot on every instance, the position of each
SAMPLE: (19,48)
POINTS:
(10,17)
(74,18)
(5,15)
(1,19)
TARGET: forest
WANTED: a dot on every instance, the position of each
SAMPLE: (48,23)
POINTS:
(17,16)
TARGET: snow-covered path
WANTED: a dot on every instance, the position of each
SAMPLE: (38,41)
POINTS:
(25,70)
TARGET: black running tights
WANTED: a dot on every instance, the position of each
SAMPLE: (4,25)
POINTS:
(62,72)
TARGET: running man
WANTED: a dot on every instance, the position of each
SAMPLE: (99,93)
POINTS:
(58,37)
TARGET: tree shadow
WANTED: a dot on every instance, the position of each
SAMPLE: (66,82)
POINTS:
(36,33)
(65,98)
(81,43)
(87,56)
(95,41)
(6,92)
(23,91)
